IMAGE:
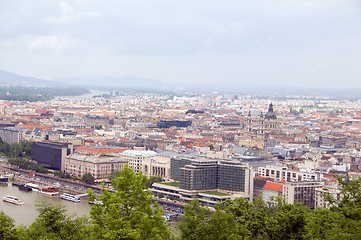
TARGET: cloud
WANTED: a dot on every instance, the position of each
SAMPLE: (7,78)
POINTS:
(57,44)
(69,14)
(232,40)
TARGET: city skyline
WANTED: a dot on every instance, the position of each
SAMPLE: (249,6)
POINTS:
(277,43)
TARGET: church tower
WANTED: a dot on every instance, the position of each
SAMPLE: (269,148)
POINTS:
(270,122)
(249,124)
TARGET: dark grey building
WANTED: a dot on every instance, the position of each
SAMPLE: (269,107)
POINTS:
(173,123)
(175,165)
(231,176)
(200,174)
(51,154)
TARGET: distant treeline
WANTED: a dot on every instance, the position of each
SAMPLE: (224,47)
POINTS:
(33,94)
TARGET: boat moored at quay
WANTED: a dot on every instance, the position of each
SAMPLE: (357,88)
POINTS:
(14,200)
(4,179)
(44,190)
(34,187)
(69,197)
(49,191)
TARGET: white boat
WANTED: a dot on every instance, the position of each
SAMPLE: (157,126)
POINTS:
(12,199)
(52,191)
(69,197)
(96,202)
(4,179)
(34,187)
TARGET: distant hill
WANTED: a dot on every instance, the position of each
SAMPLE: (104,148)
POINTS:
(148,84)
(18,80)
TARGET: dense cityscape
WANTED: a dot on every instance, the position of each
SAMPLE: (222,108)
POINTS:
(211,147)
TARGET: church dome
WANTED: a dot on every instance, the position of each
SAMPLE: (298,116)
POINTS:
(270,114)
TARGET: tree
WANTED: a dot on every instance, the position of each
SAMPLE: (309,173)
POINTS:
(26,147)
(53,223)
(250,217)
(200,223)
(127,213)
(114,175)
(287,221)
(152,180)
(87,178)
(326,224)
(15,150)
(211,147)
(193,225)
(8,231)
(350,204)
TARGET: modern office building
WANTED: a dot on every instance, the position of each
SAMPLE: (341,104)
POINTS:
(208,180)
(199,175)
(51,154)
(233,176)
(175,165)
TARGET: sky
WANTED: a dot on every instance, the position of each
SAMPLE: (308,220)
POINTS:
(304,43)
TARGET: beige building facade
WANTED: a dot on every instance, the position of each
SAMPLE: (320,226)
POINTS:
(99,166)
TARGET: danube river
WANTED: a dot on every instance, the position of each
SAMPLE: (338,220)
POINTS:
(26,214)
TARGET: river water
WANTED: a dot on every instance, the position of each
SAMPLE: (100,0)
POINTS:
(26,214)
(91,94)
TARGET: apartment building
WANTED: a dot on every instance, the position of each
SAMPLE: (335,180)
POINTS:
(12,134)
(282,174)
(322,193)
(301,192)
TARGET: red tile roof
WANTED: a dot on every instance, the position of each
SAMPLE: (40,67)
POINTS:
(273,186)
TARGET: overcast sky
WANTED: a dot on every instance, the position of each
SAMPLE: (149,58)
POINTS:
(260,42)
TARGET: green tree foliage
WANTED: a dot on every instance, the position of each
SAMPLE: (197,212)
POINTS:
(14,150)
(33,94)
(37,168)
(287,221)
(61,174)
(87,178)
(8,231)
(24,164)
(53,223)
(127,213)
(250,217)
(153,179)
(194,221)
(114,175)
(26,147)
(276,219)
(211,147)
(200,223)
